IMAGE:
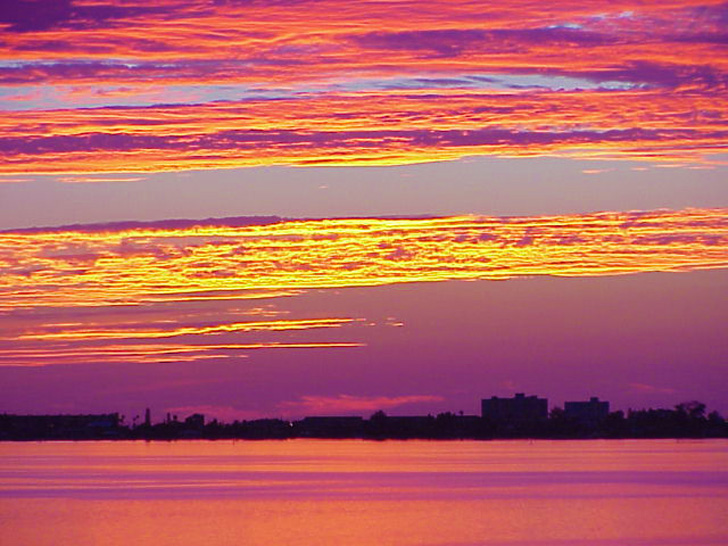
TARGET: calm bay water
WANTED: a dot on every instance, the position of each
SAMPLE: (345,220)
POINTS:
(542,493)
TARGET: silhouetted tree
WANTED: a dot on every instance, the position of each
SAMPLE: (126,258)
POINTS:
(378,424)
(693,409)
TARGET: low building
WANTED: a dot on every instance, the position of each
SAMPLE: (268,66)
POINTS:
(59,427)
(330,427)
(588,413)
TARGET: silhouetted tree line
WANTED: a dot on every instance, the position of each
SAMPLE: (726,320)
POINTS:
(686,420)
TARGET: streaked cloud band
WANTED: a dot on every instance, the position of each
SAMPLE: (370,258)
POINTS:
(131,266)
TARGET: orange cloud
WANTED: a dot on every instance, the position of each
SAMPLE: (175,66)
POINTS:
(176,331)
(43,355)
(386,83)
(175,291)
(384,128)
(134,266)
(318,40)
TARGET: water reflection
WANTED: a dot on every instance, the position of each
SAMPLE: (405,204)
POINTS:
(356,492)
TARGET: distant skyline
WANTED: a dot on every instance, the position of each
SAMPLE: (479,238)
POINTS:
(575,152)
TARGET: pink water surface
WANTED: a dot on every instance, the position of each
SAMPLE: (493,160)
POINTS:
(302,492)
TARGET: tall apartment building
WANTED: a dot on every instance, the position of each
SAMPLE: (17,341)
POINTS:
(520,409)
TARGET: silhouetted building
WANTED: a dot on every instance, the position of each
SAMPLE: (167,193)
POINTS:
(264,429)
(330,427)
(518,417)
(519,410)
(50,427)
(196,420)
(588,413)
(407,426)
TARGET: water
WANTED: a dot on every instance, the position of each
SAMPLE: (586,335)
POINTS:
(302,492)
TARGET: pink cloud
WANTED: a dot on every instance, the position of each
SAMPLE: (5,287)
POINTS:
(596,171)
(345,403)
(4,180)
(650,389)
(90,180)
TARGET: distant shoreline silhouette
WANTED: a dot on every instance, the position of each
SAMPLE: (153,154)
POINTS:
(501,418)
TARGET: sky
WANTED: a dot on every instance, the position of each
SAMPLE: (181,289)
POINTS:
(254,208)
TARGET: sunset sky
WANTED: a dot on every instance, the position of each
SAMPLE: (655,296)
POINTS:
(253,208)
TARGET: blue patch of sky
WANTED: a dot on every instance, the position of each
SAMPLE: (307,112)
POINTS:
(33,97)
(479,81)
(573,26)
(39,97)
